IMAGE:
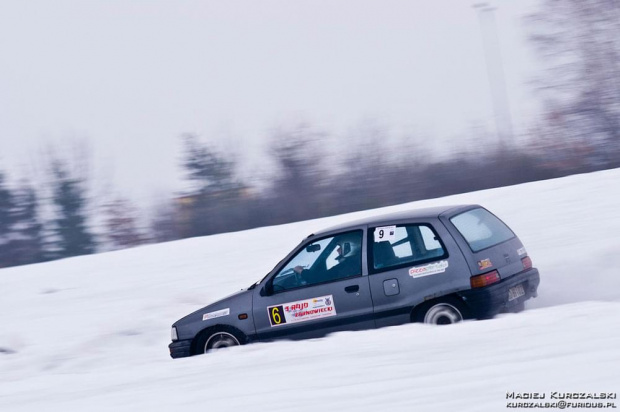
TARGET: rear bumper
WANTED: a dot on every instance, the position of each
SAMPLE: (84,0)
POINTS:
(180,348)
(487,302)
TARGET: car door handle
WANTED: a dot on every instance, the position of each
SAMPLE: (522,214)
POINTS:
(352,289)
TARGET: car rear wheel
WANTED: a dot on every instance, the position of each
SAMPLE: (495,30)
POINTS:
(444,312)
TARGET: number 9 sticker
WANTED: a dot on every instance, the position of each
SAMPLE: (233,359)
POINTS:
(385,233)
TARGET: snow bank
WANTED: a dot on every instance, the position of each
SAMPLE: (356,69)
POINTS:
(90,333)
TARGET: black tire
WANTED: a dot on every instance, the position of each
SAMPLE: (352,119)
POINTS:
(217,338)
(444,311)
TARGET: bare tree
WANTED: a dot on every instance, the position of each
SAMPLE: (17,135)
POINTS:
(579,41)
(122,225)
(215,201)
(300,173)
(6,221)
(27,244)
(71,226)
(165,222)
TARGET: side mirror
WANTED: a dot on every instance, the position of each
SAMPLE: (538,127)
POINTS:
(267,290)
(315,247)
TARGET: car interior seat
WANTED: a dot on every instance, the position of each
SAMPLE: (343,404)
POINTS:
(383,254)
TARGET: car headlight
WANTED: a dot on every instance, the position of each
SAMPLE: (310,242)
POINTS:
(173,334)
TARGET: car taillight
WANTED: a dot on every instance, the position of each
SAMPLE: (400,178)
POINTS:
(527,263)
(485,279)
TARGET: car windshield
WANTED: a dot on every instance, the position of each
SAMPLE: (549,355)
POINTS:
(308,255)
(258,282)
(304,261)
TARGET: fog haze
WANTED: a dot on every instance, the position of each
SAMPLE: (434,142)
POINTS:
(131,77)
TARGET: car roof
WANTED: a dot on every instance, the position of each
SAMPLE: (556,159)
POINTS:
(428,212)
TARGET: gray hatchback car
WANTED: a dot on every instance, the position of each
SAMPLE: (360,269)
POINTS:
(438,265)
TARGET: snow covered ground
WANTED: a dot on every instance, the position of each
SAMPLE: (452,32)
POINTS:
(91,333)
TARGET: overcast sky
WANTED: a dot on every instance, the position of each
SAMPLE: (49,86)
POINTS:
(131,76)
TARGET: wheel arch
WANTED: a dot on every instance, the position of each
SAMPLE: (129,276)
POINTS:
(455,299)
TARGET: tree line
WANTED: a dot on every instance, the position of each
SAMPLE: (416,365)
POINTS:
(59,218)
(308,183)
(305,181)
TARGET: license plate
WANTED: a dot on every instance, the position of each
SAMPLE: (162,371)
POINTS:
(515,292)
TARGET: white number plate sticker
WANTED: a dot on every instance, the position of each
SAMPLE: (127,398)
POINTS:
(515,292)
(385,234)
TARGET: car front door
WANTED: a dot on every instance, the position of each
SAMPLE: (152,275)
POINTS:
(323,288)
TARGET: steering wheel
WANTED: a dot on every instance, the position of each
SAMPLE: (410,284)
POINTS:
(290,281)
(299,279)
(286,281)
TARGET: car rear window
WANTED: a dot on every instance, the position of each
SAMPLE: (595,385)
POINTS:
(481,229)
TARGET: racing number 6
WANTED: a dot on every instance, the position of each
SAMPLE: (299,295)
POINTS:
(275,315)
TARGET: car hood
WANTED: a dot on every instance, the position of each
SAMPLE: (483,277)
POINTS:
(228,301)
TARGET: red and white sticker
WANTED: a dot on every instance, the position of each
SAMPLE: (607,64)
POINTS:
(301,310)
(430,269)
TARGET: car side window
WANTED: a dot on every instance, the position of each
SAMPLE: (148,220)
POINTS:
(324,260)
(402,245)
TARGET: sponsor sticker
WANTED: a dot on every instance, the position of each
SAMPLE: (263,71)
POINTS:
(385,233)
(484,264)
(430,269)
(521,251)
(216,314)
(301,310)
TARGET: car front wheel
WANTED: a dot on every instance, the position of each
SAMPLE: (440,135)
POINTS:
(217,339)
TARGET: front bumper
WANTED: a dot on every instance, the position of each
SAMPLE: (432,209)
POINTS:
(484,303)
(180,348)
